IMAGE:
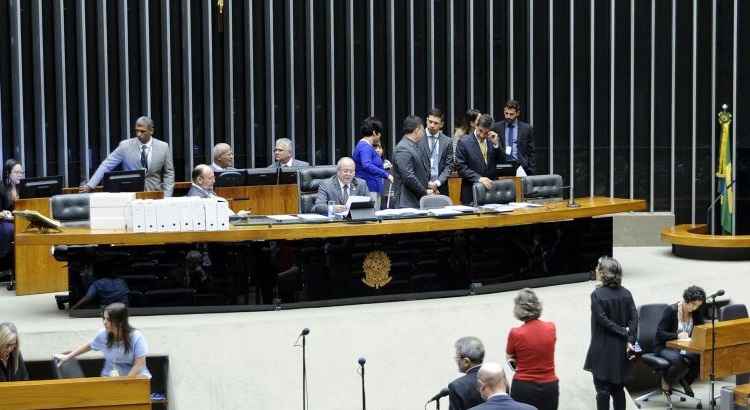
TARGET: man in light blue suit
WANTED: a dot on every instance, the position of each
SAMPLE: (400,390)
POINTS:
(143,152)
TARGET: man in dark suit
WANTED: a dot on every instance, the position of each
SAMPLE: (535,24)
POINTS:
(411,165)
(476,157)
(462,392)
(494,390)
(516,138)
(283,155)
(439,150)
(340,187)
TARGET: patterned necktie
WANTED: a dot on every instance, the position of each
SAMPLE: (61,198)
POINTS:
(346,194)
(144,157)
(483,148)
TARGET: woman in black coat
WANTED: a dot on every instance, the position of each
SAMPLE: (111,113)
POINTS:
(12,175)
(614,323)
(12,367)
(677,322)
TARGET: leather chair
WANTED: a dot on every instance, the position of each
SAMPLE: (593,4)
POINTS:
(502,192)
(649,317)
(542,186)
(310,178)
(731,312)
(72,210)
(434,201)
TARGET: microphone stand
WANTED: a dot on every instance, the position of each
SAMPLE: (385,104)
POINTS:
(571,197)
(304,372)
(362,374)
(712,376)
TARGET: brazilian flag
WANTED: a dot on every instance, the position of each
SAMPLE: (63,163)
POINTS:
(724,173)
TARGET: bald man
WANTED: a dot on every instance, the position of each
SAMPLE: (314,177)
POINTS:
(493,386)
(223,157)
(340,187)
(203,185)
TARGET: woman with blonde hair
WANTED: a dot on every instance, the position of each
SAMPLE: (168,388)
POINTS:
(532,347)
(12,366)
(124,348)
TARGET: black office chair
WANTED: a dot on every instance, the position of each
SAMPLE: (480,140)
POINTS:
(8,263)
(502,192)
(71,369)
(543,187)
(648,322)
(72,210)
(310,178)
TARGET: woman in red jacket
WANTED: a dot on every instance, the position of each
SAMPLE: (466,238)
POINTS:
(532,347)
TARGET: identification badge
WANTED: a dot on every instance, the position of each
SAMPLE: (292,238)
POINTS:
(508,150)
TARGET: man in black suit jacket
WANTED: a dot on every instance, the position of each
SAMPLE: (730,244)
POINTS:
(476,157)
(494,390)
(439,150)
(411,166)
(516,138)
(462,392)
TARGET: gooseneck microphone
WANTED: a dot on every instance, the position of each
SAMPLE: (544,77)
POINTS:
(302,335)
(362,362)
(716,294)
(442,393)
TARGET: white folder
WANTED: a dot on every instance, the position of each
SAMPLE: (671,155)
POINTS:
(137,216)
(209,204)
(222,214)
(149,207)
(198,213)
(163,219)
(186,218)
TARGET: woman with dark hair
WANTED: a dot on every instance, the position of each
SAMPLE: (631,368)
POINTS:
(368,164)
(614,324)
(12,366)
(532,348)
(12,175)
(677,322)
(465,125)
(124,348)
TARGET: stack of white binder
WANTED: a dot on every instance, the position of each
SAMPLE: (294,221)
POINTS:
(183,214)
(107,210)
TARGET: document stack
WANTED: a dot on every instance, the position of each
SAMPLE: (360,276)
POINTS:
(182,214)
(107,211)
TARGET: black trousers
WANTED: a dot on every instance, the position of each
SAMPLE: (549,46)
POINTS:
(605,390)
(543,396)
(682,366)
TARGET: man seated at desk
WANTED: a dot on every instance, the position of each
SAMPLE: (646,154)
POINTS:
(283,155)
(202,186)
(223,157)
(144,152)
(340,187)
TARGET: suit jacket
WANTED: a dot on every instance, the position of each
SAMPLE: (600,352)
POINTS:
(471,165)
(445,156)
(503,402)
(195,190)
(330,190)
(8,375)
(524,145)
(217,168)
(463,393)
(411,169)
(295,163)
(160,172)
(667,329)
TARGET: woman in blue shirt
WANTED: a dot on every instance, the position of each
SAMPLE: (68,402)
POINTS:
(124,348)
(369,165)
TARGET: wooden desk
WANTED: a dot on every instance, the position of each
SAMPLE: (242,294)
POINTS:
(558,211)
(732,347)
(95,393)
(36,269)
(263,199)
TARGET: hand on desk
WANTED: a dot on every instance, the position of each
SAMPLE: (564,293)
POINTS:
(339,208)
(7,215)
(244,213)
(683,336)
(486,182)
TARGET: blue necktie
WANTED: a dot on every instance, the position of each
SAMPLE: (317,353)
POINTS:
(510,137)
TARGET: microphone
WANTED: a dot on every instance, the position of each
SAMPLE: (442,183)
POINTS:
(442,393)
(716,294)
(362,361)
(304,332)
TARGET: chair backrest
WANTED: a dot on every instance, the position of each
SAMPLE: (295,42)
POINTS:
(71,209)
(71,369)
(434,201)
(731,312)
(502,192)
(542,186)
(309,180)
(649,317)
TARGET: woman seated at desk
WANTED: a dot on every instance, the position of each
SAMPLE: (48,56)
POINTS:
(124,347)
(12,175)
(678,322)
(12,366)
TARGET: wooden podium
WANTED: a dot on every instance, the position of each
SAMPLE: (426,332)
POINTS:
(100,393)
(732,347)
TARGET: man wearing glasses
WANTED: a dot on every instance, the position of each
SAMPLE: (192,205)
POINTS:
(283,155)
(463,393)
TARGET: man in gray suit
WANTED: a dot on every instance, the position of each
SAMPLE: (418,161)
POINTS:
(439,149)
(143,152)
(223,157)
(411,165)
(283,155)
(203,185)
(340,187)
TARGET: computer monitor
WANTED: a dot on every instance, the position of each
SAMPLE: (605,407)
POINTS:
(288,176)
(40,187)
(260,176)
(124,181)
(233,177)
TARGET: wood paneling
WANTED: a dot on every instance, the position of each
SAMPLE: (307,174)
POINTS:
(262,200)
(695,235)
(742,395)
(732,347)
(115,393)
